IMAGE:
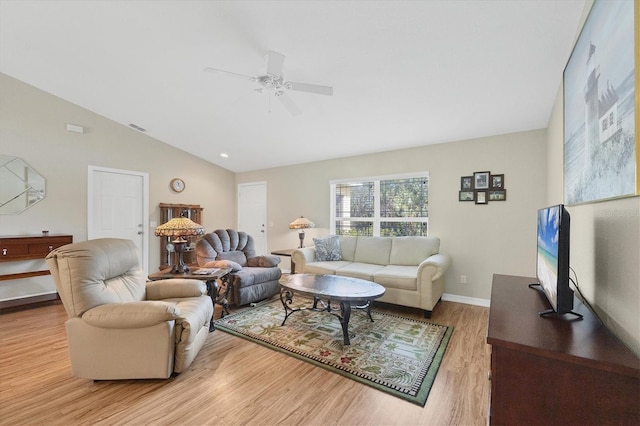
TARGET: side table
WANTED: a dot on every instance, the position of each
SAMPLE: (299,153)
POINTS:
(210,279)
(288,253)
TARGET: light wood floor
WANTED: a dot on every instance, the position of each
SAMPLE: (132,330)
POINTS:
(232,382)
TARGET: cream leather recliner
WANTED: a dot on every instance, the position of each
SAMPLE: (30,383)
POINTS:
(120,326)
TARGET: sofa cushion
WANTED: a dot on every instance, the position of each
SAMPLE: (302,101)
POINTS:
(374,250)
(348,247)
(321,268)
(412,250)
(364,271)
(327,248)
(400,277)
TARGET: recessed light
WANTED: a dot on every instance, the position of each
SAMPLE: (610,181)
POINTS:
(224,155)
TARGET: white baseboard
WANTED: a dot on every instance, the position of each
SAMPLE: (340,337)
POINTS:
(467,300)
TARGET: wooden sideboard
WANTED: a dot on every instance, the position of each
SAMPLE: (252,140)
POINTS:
(555,370)
(27,247)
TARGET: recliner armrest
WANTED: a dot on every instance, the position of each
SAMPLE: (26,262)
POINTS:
(131,314)
(441,262)
(175,287)
(265,261)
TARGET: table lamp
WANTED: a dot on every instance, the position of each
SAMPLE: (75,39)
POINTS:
(179,227)
(301,223)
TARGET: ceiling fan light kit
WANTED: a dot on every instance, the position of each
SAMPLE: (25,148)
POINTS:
(274,81)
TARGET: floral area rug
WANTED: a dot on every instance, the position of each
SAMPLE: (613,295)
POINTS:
(397,355)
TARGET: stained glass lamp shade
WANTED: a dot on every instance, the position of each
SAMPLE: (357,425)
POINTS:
(178,228)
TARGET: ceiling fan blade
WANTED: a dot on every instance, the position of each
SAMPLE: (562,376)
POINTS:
(275,61)
(289,104)
(311,88)
(230,73)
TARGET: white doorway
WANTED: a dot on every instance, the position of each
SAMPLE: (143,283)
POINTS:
(118,207)
(252,213)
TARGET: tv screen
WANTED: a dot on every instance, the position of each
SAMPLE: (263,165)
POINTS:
(552,266)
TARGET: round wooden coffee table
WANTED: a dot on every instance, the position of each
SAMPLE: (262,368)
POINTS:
(327,288)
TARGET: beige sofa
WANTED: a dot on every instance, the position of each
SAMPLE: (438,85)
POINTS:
(410,268)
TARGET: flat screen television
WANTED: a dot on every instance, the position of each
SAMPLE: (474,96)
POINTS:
(552,264)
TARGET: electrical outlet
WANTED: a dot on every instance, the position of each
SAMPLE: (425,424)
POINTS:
(463,279)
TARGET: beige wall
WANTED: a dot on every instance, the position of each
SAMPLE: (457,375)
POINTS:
(482,239)
(605,245)
(33,127)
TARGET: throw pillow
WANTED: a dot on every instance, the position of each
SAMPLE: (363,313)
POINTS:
(327,248)
(234,266)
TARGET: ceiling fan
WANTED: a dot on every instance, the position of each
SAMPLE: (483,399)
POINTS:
(274,81)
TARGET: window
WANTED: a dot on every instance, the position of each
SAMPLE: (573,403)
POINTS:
(381,206)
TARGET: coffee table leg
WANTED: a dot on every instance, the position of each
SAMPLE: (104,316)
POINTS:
(369,303)
(344,320)
(286,297)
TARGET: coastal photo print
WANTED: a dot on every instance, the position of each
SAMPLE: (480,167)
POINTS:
(600,158)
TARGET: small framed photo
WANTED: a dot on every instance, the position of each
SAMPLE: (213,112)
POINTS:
(481,180)
(498,195)
(497,181)
(466,196)
(481,197)
(466,183)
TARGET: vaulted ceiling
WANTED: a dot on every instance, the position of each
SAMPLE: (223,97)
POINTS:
(404,73)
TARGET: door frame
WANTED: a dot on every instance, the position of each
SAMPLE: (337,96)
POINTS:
(262,183)
(144,256)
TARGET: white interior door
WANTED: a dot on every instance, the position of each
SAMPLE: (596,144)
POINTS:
(118,207)
(252,213)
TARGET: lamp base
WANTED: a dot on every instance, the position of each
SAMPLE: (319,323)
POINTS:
(301,236)
(180,267)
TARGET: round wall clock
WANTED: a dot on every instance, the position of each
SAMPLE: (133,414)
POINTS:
(177,185)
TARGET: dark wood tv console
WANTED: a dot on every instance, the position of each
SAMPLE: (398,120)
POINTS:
(556,370)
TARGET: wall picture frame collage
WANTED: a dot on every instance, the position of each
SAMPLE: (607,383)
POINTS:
(482,187)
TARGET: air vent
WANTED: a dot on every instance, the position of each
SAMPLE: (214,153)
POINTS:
(138,128)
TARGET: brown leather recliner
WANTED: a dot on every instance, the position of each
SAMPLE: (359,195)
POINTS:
(120,326)
(253,277)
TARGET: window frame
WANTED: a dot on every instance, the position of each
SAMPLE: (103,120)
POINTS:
(376,219)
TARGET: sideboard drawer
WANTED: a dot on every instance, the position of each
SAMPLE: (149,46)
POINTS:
(9,251)
(13,248)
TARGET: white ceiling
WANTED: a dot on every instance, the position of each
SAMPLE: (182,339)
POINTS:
(405,73)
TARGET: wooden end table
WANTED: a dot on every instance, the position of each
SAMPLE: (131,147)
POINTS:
(288,253)
(210,279)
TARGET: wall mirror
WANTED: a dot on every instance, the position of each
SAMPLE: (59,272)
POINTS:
(21,186)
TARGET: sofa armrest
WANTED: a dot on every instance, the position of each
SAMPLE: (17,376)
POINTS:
(175,287)
(301,256)
(131,314)
(440,263)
